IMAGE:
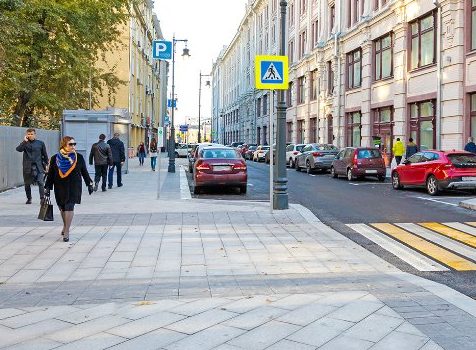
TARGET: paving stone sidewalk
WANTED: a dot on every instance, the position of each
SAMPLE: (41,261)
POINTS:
(178,273)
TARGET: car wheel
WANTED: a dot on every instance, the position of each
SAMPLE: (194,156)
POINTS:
(396,181)
(350,177)
(177,155)
(432,186)
(333,172)
(381,178)
(196,190)
(291,163)
(308,167)
(243,189)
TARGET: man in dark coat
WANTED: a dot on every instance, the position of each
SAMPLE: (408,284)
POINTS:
(118,159)
(35,160)
(412,148)
(102,155)
(470,146)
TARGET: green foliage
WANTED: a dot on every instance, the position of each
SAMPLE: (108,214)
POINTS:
(49,54)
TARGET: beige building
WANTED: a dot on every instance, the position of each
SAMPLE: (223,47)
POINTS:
(363,72)
(145,79)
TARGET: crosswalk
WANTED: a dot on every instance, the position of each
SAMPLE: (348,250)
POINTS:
(427,246)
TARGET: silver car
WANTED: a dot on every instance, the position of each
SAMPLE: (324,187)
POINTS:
(316,157)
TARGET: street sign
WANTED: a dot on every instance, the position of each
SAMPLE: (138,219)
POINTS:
(271,72)
(184,128)
(160,136)
(172,103)
(162,50)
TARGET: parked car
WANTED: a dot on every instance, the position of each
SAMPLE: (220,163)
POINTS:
(315,157)
(195,149)
(219,166)
(183,149)
(292,151)
(249,152)
(260,153)
(437,171)
(244,148)
(236,144)
(359,162)
(267,155)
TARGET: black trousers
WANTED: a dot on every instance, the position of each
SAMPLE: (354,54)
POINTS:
(118,166)
(398,159)
(41,187)
(101,172)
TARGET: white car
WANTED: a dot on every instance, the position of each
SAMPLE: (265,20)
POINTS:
(260,153)
(292,151)
(183,149)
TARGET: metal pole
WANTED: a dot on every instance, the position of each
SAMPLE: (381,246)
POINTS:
(199,107)
(271,153)
(158,171)
(280,200)
(171,168)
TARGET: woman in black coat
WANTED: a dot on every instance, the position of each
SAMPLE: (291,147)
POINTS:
(64,175)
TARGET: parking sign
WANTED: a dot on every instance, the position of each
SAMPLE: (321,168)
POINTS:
(162,50)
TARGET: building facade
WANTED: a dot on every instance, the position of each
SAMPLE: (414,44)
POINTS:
(144,92)
(364,72)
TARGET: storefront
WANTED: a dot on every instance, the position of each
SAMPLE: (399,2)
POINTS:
(382,134)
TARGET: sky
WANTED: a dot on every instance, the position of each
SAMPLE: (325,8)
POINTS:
(208,25)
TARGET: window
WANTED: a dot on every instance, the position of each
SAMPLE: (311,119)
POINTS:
(289,131)
(265,135)
(303,7)
(258,107)
(313,85)
(330,78)
(473,25)
(383,49)
(473,115)
(354,69)
(289,96)
(423,41)
(265,105)
(332,18)
(300,134)
(353,129)
(358,10)
(291,51)
(315,32)
(291,14)
(313,130)
(258,135)
(302,44)
(422,124)
(300,90)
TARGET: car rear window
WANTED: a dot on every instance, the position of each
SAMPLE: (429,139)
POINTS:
(265,148)
(220,153)
(325,148)
(463,160)
(368,153)
(252,148)
(299,148)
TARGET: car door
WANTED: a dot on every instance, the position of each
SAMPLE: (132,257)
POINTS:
(412,166)
(301,158)
(337,163)
(345,161)
(431,161)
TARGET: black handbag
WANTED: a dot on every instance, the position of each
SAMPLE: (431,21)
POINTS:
(46,210)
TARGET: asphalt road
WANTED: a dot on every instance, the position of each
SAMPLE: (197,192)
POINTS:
(338,202)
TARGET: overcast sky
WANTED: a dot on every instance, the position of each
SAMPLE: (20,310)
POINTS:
(208,25)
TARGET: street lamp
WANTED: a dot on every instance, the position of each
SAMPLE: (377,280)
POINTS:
(186,53)
(207,83)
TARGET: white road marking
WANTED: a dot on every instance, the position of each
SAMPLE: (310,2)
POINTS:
(415,259)
(369,183)
(462,227)
(184,188)
(437,201)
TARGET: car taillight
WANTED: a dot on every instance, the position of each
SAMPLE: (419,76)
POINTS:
(239,166)
(354,160)
(316,154)
(295,153)
(203,166)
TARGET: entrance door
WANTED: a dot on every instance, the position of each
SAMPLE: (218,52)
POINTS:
(330,129)
(386,144)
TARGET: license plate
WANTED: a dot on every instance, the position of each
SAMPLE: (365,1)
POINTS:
(468,178)
(221,167)
(371,171)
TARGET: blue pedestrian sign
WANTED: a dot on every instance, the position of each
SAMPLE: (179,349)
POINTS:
(184,128)
(171,103)
(162,50)
(271,72)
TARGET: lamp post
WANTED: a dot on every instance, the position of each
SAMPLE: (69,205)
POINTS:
(199,102)
(280,189)
(185,53)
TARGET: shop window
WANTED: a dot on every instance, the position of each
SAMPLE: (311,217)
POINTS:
(383,57)
(354,126)
(422,124)
(423,41)
(354,69)
(300,90)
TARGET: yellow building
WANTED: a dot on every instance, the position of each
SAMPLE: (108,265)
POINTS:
(144,77)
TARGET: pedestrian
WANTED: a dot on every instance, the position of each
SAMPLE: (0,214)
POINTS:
(64,176)
(35,161)
(118,159)
(411,149)
(153,153)
(398,150)
(141,153)
(102,155)
(470,146)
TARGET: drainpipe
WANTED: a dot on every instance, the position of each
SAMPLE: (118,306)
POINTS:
(438,74)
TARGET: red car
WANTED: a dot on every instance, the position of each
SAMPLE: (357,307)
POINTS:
(358,162)
(437,171)
(219,166)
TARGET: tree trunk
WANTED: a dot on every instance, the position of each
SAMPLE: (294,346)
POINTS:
(21,108)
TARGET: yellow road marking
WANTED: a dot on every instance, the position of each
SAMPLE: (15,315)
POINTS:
(471,223)
(432,250)
(451,233)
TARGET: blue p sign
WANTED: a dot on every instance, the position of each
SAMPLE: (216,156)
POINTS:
(162,50)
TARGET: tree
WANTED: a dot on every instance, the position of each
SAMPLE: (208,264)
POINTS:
(49,50)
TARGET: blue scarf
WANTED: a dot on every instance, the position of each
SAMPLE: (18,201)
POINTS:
(65,163)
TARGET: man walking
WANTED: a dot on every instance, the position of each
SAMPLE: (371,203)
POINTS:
(35,160)
(118,159)
(470,146)
(102,155)
(412,148)
(398,150)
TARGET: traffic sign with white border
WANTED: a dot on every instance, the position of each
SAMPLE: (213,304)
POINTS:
(271,72)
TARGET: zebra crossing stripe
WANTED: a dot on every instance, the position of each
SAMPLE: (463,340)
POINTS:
(451,233)
(411,257)
(429,249)
(462,227)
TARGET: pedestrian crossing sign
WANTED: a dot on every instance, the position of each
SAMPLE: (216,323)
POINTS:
(271,72)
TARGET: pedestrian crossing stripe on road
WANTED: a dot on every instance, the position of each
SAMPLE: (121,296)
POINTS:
(428,246)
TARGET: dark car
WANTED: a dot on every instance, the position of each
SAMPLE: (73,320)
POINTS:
(249,152)
(437,171)
(219,166)
(315,157)
(359,162)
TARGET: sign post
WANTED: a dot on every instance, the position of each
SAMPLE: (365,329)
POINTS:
(160,144)
(271,73)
